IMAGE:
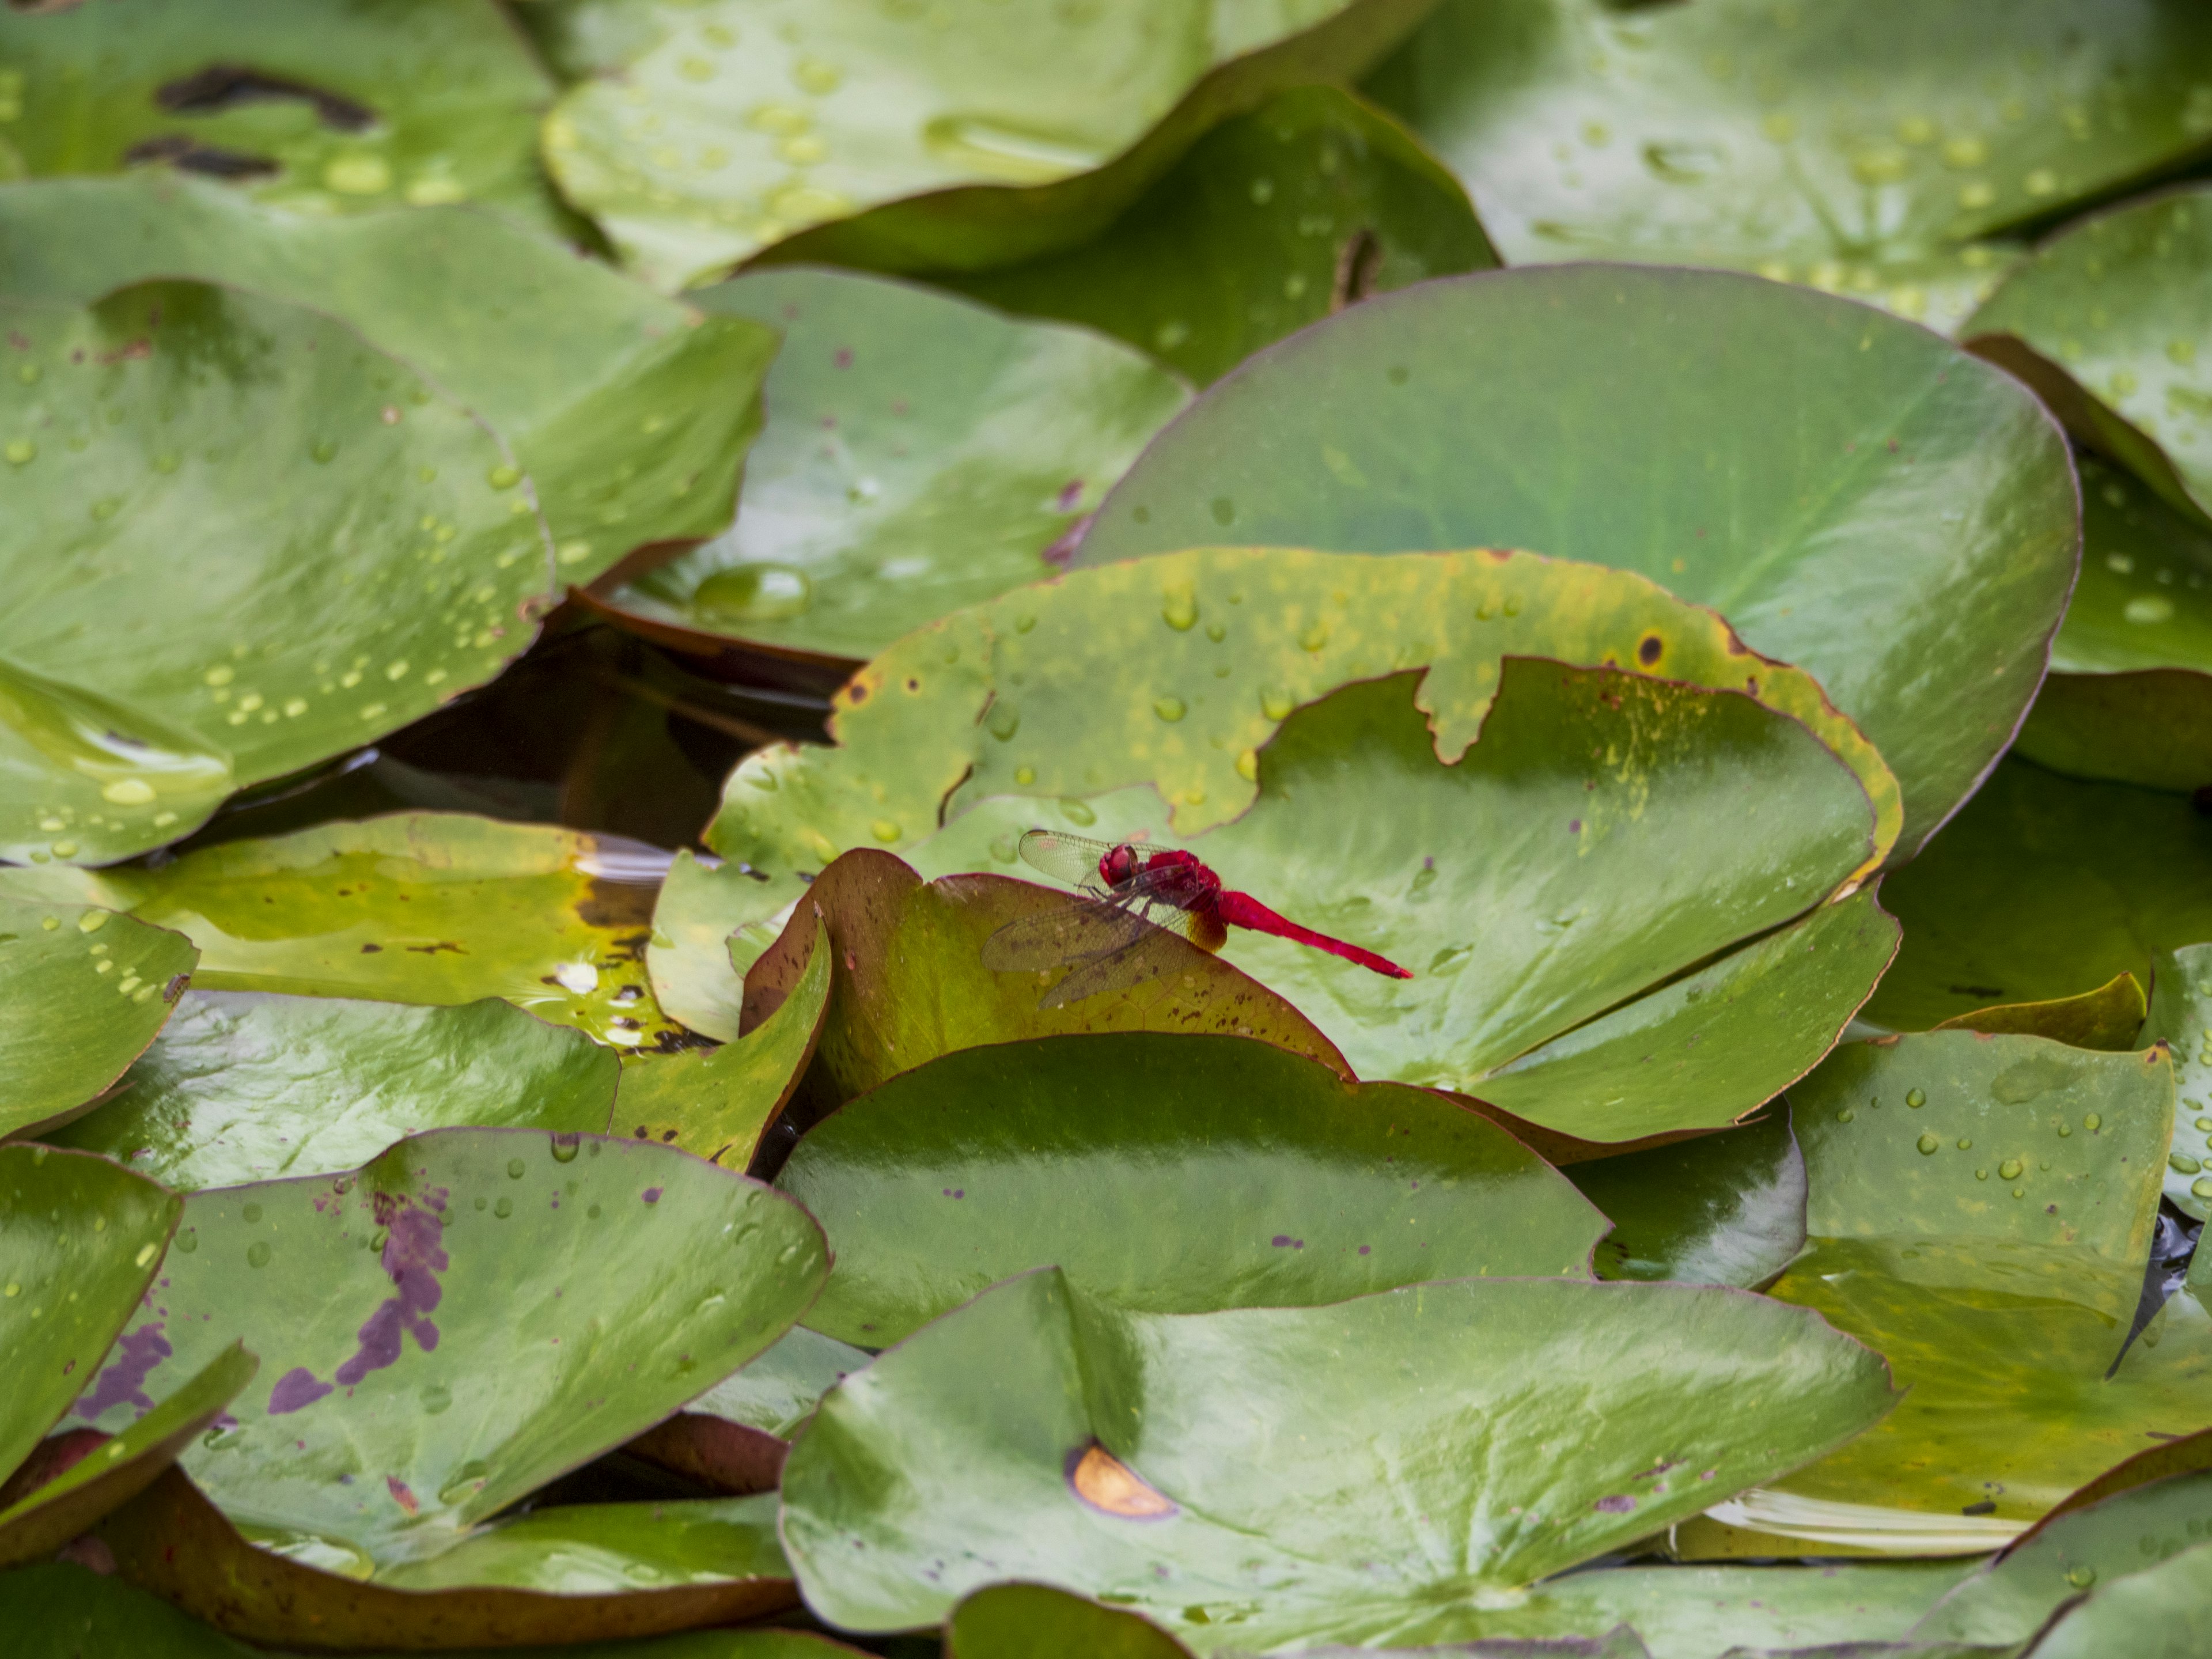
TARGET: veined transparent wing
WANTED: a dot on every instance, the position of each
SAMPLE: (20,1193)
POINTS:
(1072,858)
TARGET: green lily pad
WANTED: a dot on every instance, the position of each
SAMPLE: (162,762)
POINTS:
(1980,1209)
(2044,887)
(2191,1454)
(1725,1209)
(778,1391)
(243,1086)
(85,991)
(964,139)
(2013,1598)
(695,979)
(1853,148)
(913,985)
(922,454)
(64,1612)
(639,1273)
(631,415)
(1646,432)
(2160,1612)
(2107,321)
(554,1576)
(1452,1440)
(230,560)
(80,1239)
(2107,1018)
(103,1477)
(719,1104)
(2181,1017)
(324,108)
(1274,219)
(1165,1173)
(1035,1621)
(437,908)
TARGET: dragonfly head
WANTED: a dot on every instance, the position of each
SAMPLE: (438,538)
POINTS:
(1118,865)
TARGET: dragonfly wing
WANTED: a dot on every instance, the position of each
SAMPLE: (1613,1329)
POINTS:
(1064,933)
(1072,858)
(1144,959)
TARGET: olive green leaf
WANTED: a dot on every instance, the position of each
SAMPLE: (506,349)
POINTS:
(2011,1599)
(1725,1209)
(242,540)
(2188,1454)
(88,1480)
(631,415)
(401,1410)
(1275,219)
(61,1611)
(2044,887)
(1167,1173)
(437,908)
(1034,1622)
(243,1086)
(717,1104)
(553,1576)
(2106,322)
(2181,1017)
(909,982)
(1853,148)
(778,1391)
(2107,1018)
(83,992)
(696,975)
(1451,1439)
(1980,1209)
(1907,538)
(921,453)
(324,107)
(976,135)
(2163,1612)
(79,1241)
(2151,726)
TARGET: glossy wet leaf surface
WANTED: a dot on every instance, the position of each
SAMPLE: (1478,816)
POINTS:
(227,560)
(425,907)
(1715,1210)
(778,1391)
(2114,312)
(1029,1621)
(72,1015)
(701,152)
(630,414)
(379,1432)
(1134,1455)
(2107,1018)
(79,1241)
(2163,1611)
(1170,1174)
(1274,219)
(243,1086)
(329,107)
(1852,147)
(2044,887)
(922,454)
(1980,1208)
(2181,1017)
(1641,438)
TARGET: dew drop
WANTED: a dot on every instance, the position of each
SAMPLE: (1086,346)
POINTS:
(1223,509)
(753,592)
(503,477)
(1248,765)
(592,1214)
(1314,636)
(92,921)
(436,1397)
(1965,1143)
(1915,1099)
(2010,1169)
(2201,1187)
(257,1254)
(565,1148)
(2182,1163)
(127,792)
(2064,1130)
(884,830)
(2081,1578)
(1927,1144)
(514,1169)
(483,1204)
(504,1208)
(1169,709)
(1005,720)
(188,1241)
(1078,812)
(252,1213)
(1846,1115)
(2093,1123)
(21,452)
(1180,610)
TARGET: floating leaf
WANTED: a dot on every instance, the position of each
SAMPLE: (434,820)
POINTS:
(2044,887)
(230,563)
(700,906)
(421,907)
(1726,1209)
(1274,219)
(400,1410)
(1919,512)
(1852,147)
(2107,1018)
(718,1104)
(2181,1017)
(778,1391)
(1034,1622)
(83,992)
(85,1480)
(325,108)
(913,985)
(243,1086)
(2106,322)
(630,415)
(79,1241)
(922,454)
(1041,1434)
(970,139)
(1980,1208)
(2162,1613)
(1165,1173)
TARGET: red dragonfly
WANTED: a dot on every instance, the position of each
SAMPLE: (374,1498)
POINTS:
(1116,934)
